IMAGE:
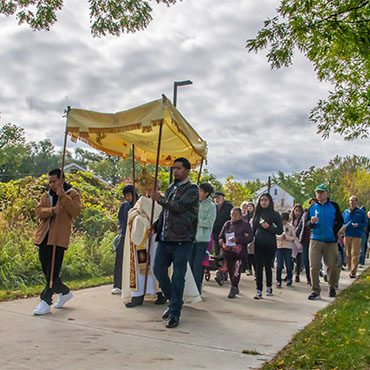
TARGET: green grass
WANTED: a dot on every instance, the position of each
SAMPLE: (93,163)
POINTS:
(34,290)
(338,338)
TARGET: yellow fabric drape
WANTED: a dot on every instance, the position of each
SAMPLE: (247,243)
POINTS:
(114,133)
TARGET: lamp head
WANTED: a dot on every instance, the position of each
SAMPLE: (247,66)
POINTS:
(183,83)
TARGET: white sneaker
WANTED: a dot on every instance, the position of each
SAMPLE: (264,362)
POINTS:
(41,309)
(116,291)
(258,294)
(63,299)
(269,291)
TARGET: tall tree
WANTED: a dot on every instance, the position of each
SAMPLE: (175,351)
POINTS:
(337,175)
(83,157)
(210,178)
(236,192)
(358,183)
(335,36)
(14,159)
(11,134)
(106,16)
(43,156)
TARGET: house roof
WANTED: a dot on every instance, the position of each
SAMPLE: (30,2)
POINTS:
(82,169)
(75,165)
(265,188)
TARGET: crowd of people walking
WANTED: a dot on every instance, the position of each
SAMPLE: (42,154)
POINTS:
(193,225)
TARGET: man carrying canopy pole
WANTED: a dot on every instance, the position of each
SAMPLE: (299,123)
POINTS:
(176,229)
(56,210)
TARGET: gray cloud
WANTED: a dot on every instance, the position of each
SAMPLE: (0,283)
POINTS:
(254,119)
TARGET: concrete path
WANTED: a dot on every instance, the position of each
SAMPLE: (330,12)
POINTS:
(95,330)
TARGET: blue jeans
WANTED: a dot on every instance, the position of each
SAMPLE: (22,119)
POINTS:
(341,253)
(363,249)
(197,253)
(284,255)
(176,253)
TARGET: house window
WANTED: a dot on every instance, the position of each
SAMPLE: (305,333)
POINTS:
(275,191)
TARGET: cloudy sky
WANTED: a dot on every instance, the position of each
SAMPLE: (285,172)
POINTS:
(254,119)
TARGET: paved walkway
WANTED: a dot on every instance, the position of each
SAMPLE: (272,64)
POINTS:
(95,330)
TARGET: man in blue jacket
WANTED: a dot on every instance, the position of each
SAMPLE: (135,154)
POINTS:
(355,221)
(325,220)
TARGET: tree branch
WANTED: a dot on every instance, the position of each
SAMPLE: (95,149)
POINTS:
(335,15)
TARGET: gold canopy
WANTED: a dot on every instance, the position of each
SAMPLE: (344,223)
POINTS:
(115,133)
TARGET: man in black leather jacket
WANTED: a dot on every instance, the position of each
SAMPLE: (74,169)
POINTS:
(176,229)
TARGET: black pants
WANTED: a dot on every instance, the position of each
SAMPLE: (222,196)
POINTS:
(117,276)
(45,256)
(306,261)
(233,266)
(244,265)
(298,264)
(264,255)
(251,262)
(216,246)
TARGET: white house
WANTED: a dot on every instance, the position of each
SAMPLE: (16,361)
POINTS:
(74,167)
(283,201)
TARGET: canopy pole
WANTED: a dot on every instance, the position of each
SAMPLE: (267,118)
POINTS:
(200,171)
(52,267)
(67,110)
(153,205)
(133,172)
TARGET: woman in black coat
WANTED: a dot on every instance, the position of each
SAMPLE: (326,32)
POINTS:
(266,225)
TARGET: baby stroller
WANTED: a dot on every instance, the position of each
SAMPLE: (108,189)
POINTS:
(214,263)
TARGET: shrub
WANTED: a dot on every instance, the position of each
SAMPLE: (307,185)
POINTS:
(90,252)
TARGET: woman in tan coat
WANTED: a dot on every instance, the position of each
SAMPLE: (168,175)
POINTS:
(56,210)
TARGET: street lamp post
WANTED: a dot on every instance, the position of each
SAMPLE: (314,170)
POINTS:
(175,85)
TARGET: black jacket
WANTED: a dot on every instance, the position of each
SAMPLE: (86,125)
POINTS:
(223,215)
(267,237)
(240,228)
(179,214)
